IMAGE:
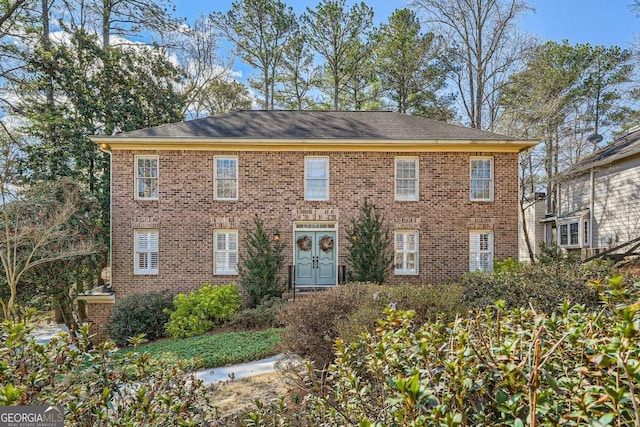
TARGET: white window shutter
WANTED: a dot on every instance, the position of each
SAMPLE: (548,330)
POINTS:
(474,251)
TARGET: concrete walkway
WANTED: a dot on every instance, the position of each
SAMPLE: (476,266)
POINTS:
(43,334)
(241,370)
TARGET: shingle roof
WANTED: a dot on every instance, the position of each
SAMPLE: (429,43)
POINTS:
(259,124)
(625,146)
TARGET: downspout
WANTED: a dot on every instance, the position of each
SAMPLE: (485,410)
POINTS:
(592,204)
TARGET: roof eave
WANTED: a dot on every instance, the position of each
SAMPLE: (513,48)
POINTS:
(108,143)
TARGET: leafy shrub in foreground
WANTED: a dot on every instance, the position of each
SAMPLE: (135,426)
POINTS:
(497,367)
(140,314)
(98,387)
(202,309)
(542,285)
(315,321)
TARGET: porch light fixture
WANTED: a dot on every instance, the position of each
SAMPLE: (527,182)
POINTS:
(276,235)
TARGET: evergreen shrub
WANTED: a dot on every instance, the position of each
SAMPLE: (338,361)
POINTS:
(140,314)
(202,309)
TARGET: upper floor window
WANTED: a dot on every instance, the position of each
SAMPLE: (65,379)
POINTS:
(145,252)
(481,251)
(406,252)
(316,178)
(407,178)
(225,252)
(481,179)
(146,177)
(226,178)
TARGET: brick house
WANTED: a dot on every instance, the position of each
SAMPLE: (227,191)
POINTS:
(183,195)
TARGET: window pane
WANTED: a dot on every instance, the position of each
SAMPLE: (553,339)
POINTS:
(564,234)
(226,254)
(573,230)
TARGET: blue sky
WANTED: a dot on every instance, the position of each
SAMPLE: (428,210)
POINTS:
(606,22)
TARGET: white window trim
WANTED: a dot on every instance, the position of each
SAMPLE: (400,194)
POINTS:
(136,177)
(476,255)
(136,253)
(416,196)
(215,178)
(226,251)
(305,176)
(491,180)
(403,271)
(583,223)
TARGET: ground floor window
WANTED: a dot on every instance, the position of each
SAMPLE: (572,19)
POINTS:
(406,252)
(481,251)
(145,252)
(569,233)
(225,252)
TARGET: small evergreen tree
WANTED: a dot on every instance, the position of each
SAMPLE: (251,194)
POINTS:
(261,264)
(368,256)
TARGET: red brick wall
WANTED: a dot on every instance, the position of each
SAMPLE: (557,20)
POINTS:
(98,315)
(271,185)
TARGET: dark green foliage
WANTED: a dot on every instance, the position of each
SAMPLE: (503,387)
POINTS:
(543,285)
(262,316)
(410,72)
(261,264)
(105,91)
(98,386)
(140,314)
(495,367)
(369,250)
(315,321)
(202,309)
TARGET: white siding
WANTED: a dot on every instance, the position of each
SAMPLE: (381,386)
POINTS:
(534,212)
(574,195)
(617,203)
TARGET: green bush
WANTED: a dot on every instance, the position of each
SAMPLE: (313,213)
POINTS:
(315,321)
(97,386)
(544,286)
(261,265)
(140,314)
(202,309)
(427,301)
(496,367)
(263,316)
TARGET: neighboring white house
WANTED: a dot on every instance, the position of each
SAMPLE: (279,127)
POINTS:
(599,199)
(534,211)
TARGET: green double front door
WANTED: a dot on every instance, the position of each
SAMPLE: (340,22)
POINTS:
(315,258)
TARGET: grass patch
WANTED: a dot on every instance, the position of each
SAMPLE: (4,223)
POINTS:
(210,351)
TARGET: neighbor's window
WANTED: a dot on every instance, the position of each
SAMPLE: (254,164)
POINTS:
(406,252)
(481,251)
(225,252)
(146,177)
(145,252)
(226,178)
(481,179)
(406,178)
(569,233)
(316,178)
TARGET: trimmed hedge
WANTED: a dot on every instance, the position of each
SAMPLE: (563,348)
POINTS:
(543,286)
